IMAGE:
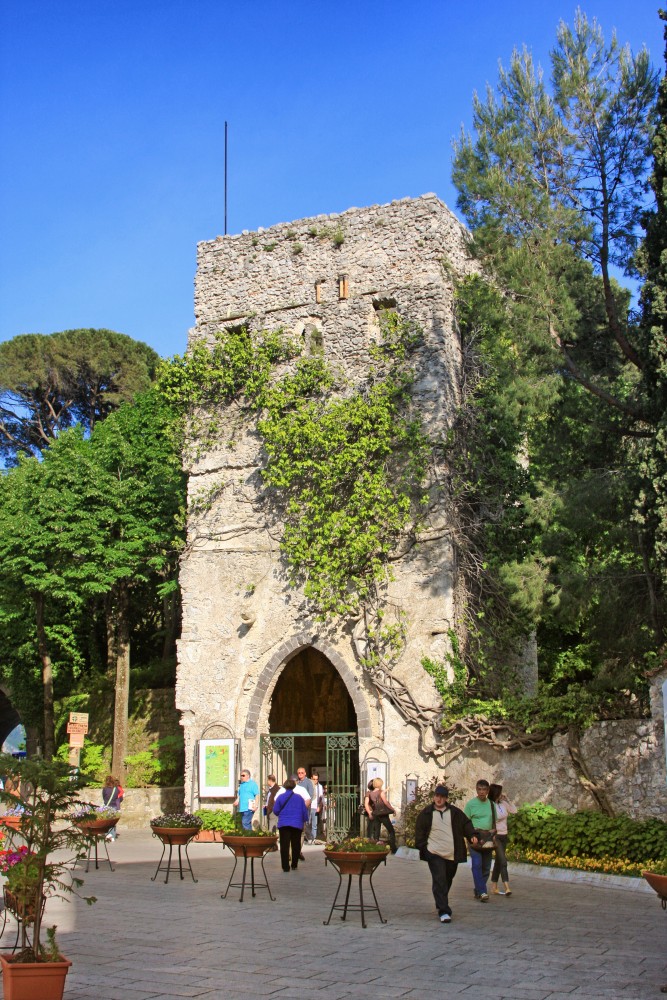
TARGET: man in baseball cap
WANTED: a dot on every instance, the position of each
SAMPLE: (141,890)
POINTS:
(440,837)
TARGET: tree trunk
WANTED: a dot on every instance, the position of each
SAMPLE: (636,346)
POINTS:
(119,627)
(47,678)
(584,775)
(170,618)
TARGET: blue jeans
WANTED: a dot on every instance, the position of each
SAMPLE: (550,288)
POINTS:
(314,816)
(481,869)
(246,819)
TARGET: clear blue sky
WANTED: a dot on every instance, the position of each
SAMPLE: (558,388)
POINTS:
(112,131)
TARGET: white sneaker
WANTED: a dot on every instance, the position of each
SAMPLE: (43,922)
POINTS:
(445,918)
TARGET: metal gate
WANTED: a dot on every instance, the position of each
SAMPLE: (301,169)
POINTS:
(278,756)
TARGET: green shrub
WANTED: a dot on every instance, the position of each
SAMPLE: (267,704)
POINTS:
(162,764)
(217,819)
(587,834)
(95,761)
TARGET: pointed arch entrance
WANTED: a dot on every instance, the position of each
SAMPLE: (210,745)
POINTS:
(313,724)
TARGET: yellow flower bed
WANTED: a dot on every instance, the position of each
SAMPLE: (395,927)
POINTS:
(609,866)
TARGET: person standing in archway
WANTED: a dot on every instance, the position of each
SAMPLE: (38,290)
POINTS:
(306,784)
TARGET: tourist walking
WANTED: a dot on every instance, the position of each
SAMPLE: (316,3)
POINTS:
(272,789)
(381,810)
(372,829)
(316,805)
(482,812)
(111,798)
(503,808)
(246,799)
(290,808)
(440,837)
(306,785)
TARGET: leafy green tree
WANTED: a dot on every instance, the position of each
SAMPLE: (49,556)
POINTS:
(92,521)
(559,412)
(51,382)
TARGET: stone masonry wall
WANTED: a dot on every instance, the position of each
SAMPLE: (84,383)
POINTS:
(324,280)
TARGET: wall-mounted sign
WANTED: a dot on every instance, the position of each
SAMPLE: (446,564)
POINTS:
(216,769)
(376,769)
(410,790)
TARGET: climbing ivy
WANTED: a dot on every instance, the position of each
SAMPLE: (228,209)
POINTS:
(346,464)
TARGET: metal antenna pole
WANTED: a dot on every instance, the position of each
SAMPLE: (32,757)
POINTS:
(225,178)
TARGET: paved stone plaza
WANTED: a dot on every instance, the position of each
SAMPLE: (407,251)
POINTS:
(552,940)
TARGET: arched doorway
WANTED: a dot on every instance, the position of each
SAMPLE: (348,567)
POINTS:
(313,723)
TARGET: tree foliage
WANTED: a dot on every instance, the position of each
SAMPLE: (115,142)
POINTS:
(549,455)
(49,383)
(96,517)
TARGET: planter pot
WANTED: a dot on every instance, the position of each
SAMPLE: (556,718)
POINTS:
(350,863)
(13,822)
(657,882)
(176,836)
(29,980)
(209,837)
(249,847)
(95,827)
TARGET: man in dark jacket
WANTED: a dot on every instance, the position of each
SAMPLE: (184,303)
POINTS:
(440,834)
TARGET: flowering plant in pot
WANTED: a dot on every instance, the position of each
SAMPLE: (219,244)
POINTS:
(48,790)
(358,845)
(176,820)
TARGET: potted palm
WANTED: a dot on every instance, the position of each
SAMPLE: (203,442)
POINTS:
(48,791)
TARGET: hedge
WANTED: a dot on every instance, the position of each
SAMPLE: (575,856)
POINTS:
(540,827)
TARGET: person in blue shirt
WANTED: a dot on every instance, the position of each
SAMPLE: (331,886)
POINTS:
(246,799)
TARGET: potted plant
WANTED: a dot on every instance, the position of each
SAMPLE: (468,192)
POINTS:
(48,790)
(250,843)
(356,855)
(214,822)
(176,828)
(92,820)
(13,818)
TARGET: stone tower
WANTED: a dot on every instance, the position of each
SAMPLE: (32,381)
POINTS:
(252,659)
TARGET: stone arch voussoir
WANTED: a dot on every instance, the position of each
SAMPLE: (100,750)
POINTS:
(284,652)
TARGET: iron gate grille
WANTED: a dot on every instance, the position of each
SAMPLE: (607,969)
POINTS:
(278,756)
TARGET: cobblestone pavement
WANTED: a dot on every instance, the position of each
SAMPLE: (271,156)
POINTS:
(551,940)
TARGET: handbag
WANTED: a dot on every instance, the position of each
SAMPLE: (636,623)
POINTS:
(486,839)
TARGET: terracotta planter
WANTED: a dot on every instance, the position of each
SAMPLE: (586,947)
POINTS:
(29,980)
(95,827)
(657,882)
(249,847)
(13,822)
(175,835)
(351,863)
(209,837)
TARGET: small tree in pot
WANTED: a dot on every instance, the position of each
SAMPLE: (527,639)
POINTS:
(47,792)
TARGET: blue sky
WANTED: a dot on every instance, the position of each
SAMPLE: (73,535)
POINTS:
(112,131)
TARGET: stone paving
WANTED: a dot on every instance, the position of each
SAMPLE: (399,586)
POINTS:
(551,940)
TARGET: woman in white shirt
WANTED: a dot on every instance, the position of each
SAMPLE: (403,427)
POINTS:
(503,808)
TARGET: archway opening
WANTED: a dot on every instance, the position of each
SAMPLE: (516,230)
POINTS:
(310,698)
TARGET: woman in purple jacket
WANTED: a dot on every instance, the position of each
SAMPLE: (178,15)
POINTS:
(290,808)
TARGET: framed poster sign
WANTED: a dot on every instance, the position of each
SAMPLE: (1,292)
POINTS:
(216,768)
(376,769)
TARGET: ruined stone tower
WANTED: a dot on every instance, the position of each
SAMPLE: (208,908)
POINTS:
(252,659)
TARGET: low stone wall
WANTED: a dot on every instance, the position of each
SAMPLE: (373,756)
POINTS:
(140,805)
(626,758)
